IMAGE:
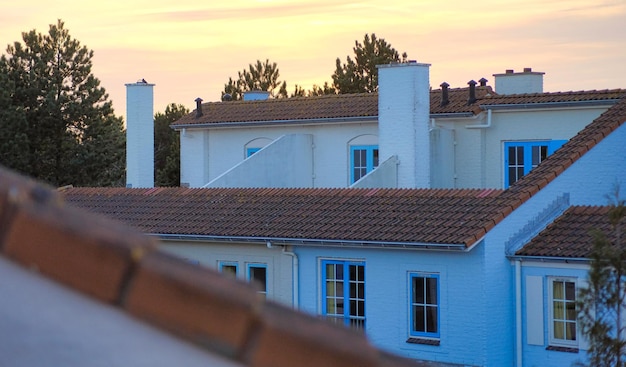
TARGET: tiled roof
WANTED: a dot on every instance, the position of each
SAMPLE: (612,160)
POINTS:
(121,267)
(555,97)
(365,105)
(569,235)
(388,216)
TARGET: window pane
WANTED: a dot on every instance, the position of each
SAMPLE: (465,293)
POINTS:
(571,311)
(559,312)
(258,276)
(570,331)
(431,319)
(330,289)
(418,318)
(431,286)
(559,330)
(570,291)
(558,291)
(229,270)
(375,158)
(418,286)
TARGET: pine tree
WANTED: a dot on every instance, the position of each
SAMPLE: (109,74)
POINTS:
(361,75)
(65,128)
(602,303)
(167,146)
(263,76)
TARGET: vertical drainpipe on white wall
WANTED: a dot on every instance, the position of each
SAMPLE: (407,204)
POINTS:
(294,277)
(139,134)
(483,147)
(518,313)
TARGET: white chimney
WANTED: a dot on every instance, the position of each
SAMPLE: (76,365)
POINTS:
(403,120)
(139,134)
(527,81)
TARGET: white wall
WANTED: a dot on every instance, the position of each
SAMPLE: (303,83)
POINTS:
(139,135)
(479,152)
(285,162)
(207,154)
(403,118)
(279,265)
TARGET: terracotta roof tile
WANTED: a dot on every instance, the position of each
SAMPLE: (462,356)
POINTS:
(219,314)
(569,235)
(360,215)
(366,105)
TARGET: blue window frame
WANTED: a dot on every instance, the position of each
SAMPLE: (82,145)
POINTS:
(521,157)
(424,306)
(257,275)
(343,292)
(229,268)
(251,151)
(363,159)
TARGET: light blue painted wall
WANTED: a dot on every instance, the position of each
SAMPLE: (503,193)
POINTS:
(463,312)
(537,355)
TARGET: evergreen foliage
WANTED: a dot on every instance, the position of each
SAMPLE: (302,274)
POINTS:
(601,304)
(263,76)
(361,75)
(56,122)
(167,146)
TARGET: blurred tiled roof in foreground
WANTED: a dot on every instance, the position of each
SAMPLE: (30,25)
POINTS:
(120,268)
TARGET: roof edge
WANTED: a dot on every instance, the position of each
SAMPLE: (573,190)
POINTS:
(457,247)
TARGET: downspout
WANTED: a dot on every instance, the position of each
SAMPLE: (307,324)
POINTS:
(482,126)
(518,313)
(294,277)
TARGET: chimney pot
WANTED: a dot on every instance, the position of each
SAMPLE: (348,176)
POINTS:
(528,70)
(198,107)
(483,82)
(472,92)
(444,93)
(509,71)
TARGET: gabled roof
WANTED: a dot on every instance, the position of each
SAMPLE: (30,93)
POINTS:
(365,105)
(569,236)
(366,216)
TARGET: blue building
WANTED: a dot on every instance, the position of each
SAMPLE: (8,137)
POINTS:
(427,269)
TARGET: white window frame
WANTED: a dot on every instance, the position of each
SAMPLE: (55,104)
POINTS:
(551,317)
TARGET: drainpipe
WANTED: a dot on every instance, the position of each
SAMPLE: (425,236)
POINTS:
(518,313)
(294,277)
(483,126)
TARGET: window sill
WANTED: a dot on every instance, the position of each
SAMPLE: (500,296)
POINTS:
(562,349)
(423,341)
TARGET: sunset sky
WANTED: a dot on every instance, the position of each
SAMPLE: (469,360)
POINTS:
(189,49)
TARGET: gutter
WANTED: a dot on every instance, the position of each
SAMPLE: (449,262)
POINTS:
(322,121)
(456,247)
(523,106)
(552,259)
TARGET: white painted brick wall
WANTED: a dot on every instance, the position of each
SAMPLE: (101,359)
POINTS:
(139,135)
(403,120)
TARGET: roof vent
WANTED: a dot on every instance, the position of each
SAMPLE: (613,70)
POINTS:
(472,92)
(483,82)
(226,97)
(198,107)
(444,93)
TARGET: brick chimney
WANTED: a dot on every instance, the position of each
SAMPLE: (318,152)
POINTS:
(139,134)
